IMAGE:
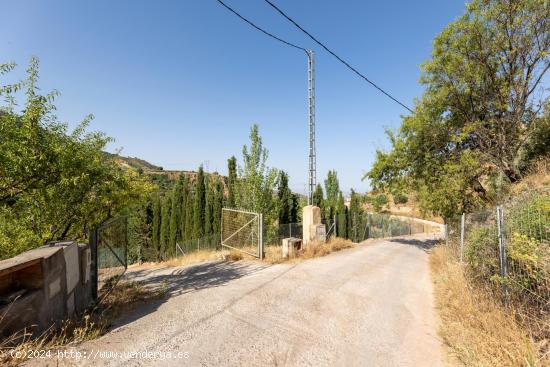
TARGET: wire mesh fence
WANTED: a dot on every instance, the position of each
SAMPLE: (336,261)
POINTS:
(360,227)
(211,242)
(379,225)
(242,231)
(109,246)
(506,250)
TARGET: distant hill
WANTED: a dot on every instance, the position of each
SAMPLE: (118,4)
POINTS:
(163,178)
(136,163)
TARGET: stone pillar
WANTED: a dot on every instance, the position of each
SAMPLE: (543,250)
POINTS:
(311,219)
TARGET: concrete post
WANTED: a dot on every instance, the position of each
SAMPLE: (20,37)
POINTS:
(311,219)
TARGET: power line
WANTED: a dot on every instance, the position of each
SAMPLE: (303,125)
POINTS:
(258,28)
(336,56)
(311,100)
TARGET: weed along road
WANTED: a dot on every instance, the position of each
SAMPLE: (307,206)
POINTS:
(367,306)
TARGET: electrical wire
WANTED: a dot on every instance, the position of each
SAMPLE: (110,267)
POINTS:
(336,56)
(260,29)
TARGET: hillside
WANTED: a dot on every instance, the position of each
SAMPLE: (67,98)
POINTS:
(163,178)
(137,163)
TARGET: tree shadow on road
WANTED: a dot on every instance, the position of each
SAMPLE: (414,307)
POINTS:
(423,244)
(178,281)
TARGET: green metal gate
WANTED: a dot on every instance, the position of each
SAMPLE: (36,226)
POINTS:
(109,247)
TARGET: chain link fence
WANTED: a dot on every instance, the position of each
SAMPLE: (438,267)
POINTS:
(109,248)
(211,242)
(379,225)
(506,250)
(360,227)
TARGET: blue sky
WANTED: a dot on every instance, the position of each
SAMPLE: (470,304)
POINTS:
(179,83)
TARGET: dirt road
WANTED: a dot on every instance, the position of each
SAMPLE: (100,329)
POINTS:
(369,306)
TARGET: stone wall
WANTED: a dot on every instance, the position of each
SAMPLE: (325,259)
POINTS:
(42,287)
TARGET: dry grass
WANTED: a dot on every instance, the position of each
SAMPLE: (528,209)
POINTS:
(475,328)
(121,297)
(194,257)
(273,254)
(537,177)
(188,259)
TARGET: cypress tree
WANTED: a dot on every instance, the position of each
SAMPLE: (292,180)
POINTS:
(332,188)
(165,225)
(341,214)
(156,225)
(188,233)
(318,200)
(231,181)
(348,223)
(184,196)
(208,210)
(200,204)
(175,215)
(294,207)
(355,214)
(285,199)
(217,208)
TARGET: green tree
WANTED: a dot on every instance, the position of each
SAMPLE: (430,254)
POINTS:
(165,226)
(217,209)
(54,184)
(332,189)
(478,115)
(341,213)
(400,197)
(318,200)
(140,219)
(209,208)
(189,217)
(294,209)
(379,202)
(175,215)
(355,215)
(285,199)
(156,224)
(257,181)
(184,200)
(199,205)
(231,181)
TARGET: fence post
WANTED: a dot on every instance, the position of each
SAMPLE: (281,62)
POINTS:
(261,234)
(502,251)
(93,270)
(462,236)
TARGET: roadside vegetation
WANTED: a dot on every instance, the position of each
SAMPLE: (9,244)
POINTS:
(484,117)
(475,327)
(57,184)
(479,137)
(488,318)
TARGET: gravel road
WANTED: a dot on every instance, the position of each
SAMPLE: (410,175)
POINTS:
(371,306)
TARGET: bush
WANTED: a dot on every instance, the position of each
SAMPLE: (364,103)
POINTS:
(400,198)
(379,201)
(481,254)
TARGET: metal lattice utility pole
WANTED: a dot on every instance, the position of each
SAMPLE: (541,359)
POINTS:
(311,113)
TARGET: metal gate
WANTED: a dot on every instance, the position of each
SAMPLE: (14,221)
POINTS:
(109,247)
(242,231)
